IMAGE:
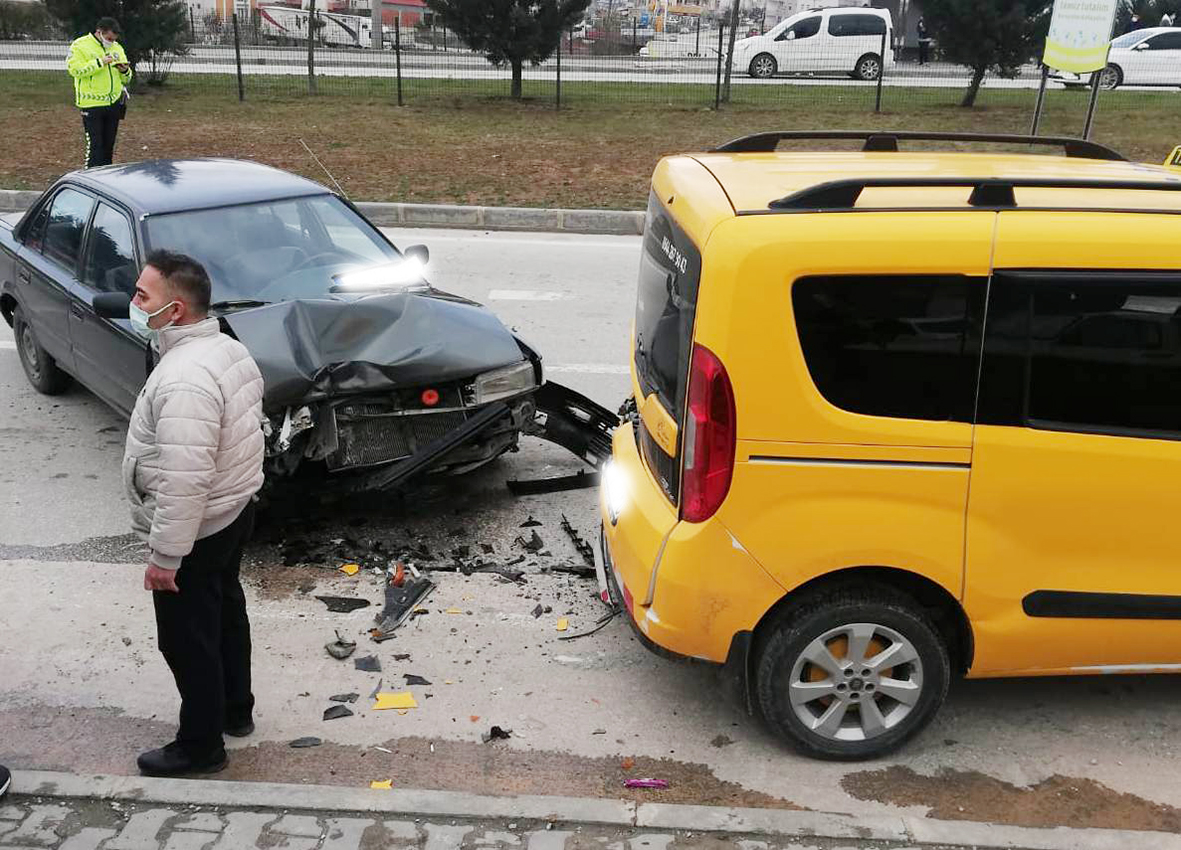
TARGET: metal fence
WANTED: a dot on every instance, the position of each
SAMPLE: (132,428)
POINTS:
(268,56)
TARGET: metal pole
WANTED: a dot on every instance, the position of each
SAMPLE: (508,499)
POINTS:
(192,26)
(877,107)
(312,47)
(1041,100)
(1095,78)
(398,51)
(718,84)
(375,23)
(635,38)
(730,50)
(558,81)
(238,58)
(697,48)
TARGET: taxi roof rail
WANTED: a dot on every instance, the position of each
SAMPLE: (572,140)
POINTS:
(886,141)
(987,192)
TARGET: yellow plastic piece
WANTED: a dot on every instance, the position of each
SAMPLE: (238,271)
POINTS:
(401,700)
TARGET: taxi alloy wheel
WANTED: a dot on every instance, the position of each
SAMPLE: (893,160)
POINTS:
(852,673)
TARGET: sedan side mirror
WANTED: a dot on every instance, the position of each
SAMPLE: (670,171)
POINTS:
(112,305)
(417,252)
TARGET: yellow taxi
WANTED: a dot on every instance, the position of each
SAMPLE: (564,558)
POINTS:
(900,414)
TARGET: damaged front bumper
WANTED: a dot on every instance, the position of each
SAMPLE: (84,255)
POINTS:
(378,443)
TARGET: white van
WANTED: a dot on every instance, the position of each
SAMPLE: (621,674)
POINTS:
(823,41)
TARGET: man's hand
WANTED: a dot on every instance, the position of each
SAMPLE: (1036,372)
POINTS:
(157,578)
(108,59)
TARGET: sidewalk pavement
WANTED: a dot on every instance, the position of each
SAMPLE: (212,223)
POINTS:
(72,812)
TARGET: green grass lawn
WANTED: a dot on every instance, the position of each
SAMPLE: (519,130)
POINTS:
(465,142)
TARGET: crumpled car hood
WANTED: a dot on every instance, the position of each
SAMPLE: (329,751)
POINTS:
(309,350)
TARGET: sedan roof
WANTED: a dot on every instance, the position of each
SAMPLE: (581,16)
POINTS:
(174,185)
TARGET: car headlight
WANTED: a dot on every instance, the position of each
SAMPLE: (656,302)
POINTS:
(505,383)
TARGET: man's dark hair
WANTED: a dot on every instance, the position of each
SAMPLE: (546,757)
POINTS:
(109,24)
(186,276)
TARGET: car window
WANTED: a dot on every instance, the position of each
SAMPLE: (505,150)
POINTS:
(273,250)
(806,28)
(1083,355)
(1128,40)
(850,25)
(110,253)
(67,222)
(1165,41)
(905,346)
(35,235)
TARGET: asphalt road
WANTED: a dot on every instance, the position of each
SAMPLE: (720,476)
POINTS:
(83,688)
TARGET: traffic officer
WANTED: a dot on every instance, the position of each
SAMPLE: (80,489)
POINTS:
(101,73)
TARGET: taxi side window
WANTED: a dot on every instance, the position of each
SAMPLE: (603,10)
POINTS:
(898,346)
(1088,355)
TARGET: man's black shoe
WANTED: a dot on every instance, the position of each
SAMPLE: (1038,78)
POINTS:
(5,780)
(241,730)
(171,760)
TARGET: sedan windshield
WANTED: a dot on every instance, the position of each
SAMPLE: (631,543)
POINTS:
(277,250)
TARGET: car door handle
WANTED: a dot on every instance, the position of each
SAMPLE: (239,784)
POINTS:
(77,312)
(22,276)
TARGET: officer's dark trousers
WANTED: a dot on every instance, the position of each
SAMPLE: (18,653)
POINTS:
(100,124)
(204,634)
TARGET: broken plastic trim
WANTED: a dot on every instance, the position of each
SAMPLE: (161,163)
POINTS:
(574,422)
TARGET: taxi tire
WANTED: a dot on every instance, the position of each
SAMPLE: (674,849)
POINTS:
(40,368)
(803,622)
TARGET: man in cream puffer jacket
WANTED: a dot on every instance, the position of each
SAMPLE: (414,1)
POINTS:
(192,465)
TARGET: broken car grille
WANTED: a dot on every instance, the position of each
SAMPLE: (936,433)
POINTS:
(365,441)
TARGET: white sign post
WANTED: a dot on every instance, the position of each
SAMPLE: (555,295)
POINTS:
(1078,41)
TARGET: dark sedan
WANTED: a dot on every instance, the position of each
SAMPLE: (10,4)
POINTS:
(371,374)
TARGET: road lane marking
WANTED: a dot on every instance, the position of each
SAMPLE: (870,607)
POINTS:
(493,237)
(524,295)
(589,368)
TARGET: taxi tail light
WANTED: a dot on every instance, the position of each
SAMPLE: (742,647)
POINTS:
(711,434)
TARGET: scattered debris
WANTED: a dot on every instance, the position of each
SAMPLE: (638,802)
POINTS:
(369,664)
(497,734)
(411,679)
(628,763)
(340,649)
(303,743)
(600,624)
(563,624)
(721,741)
(350,569)
(580,481)
(530,523)
(401,701)
(400,602)
(399,576)
(516,576)
(533,545)
(475,718)
(599,732)
(487,548)
(645,783)
(577,570)
(376,690)
(385,750)
(538,611)
(404,656)
(383,785)
(127,641)
(336,711)
(585,549)
(453,611)
(344,698)
(343,604)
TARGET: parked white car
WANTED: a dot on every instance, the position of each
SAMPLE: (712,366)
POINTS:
(823,41)
(1147,57)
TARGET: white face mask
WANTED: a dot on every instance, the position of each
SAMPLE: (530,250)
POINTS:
(140,318)
(107,42)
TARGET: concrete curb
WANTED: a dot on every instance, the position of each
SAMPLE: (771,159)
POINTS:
(611,222)
(583,810)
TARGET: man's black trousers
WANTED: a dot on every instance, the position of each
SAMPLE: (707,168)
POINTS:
(204,635)
(100,125)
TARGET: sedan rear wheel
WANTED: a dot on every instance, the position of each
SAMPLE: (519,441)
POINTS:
(41,370)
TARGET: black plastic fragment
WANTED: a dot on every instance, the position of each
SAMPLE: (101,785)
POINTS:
(400,602)
(302,743)
(534,487)
(337,711)
(534,544)
(368,664)
(497,734)
(343,604)
(584,548)
(411,679)
(344,698)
